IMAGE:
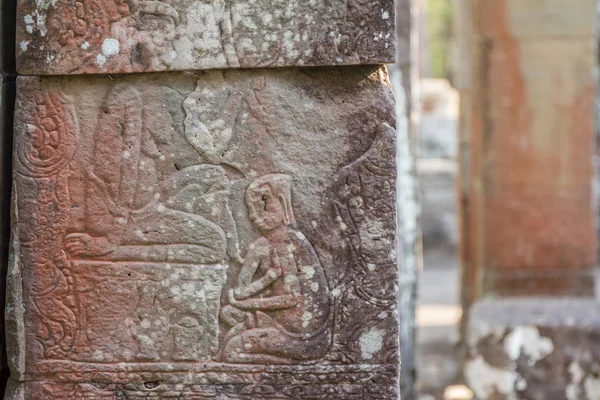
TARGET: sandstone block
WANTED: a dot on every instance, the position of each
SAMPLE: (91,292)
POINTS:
(119,36)
(534,349)
(211,235)
(534,19)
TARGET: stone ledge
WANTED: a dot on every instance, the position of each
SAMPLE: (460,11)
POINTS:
(197,381)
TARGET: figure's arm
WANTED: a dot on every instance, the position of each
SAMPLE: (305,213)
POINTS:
(274,272)
(257,286)
(266,304)
(249,268)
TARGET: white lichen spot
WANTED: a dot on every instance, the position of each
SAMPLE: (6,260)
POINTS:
(521,384)
(28,19)
(160,208)
(486,380)
(100,60)
(300,235)
(306,317)
(98,355)
(371,267)
(23,45)
(307,270)
(527,340)
(573,390)
(29,29)
(592,387)
(110,47)
(385,15)
(85,45)
(288,279)
(314,287)
(371,342)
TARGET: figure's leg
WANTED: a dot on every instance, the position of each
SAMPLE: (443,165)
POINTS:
(272,346)
(158,225)
(263,346)
(205,190)
(238,349)
(236,320)
(231,315)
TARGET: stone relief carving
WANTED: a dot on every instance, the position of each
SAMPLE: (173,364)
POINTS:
(365,192)
(114,36)
(124,205)
(50,138)
(132,218)
(283,315)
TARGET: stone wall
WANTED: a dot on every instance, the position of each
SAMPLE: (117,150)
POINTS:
(196,214)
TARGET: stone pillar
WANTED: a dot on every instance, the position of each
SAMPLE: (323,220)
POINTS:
(188,223)
(528,214)
(402,75)
(7,95)
(529,228)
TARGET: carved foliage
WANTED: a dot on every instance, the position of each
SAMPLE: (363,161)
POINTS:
(48,129)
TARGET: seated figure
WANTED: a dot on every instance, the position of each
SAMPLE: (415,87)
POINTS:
(279,313)
(129,216)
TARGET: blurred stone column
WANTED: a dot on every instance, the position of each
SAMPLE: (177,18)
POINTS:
(528,214)
(529,227)
(402,75)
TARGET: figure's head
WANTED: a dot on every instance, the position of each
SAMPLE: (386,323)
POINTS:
(269,200)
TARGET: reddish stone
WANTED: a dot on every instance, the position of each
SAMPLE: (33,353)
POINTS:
(220,235)
(530,203)
(120,36)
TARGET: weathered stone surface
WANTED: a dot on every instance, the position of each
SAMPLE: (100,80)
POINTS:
(534,349)
(528,221)
(220,235)
(118,36)
(539,18)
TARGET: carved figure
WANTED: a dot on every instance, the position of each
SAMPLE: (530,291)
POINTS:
(365,197)
(279,313)
(128,215)
(364,203)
